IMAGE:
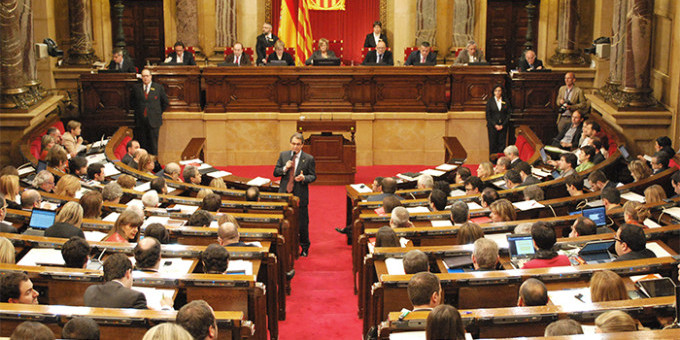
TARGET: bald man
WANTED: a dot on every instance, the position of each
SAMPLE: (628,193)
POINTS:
(228,236)
(532,293)
(148,255)
(30,199)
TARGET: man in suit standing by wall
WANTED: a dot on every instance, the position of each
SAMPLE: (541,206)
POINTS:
(149,101)
(297,169)
(424,55)
(264,40)
(180,56)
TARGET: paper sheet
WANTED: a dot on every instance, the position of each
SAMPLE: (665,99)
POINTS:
(499,183)
(595,203)
(446,167)
(657,249)
(403,242)
(94,236)
(433,172)
(26,170)
(395,266)
(186,209)
(633,196)
(96,158)
(674,212)
(239,267)
(218,174)
(457,192)
(567,297)
(110,170)
(361,188)
(204,166)
(154,295)
(539,172)
(474,206)
(500,239)
(258,181)
(651,224)
(81,192)
(406,178)
(415,335)
(171,265)
(155,219)
(420,209)
(112,217)
(144,187)
(42,256)
(441,223)
(527,205)
(191,161)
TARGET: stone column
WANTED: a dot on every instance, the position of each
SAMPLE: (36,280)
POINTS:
(13,40)
(611,88)
(187,22)
(81,51)
(567,52)
(225,25)
(463,22)
(29,67)
(637,55)
(426,21)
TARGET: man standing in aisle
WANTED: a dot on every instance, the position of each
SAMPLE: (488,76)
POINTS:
(149,102)
(297,169)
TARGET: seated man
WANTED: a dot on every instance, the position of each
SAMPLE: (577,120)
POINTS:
(569,136)
(198,318)
(530,62)
(675,183)
(598,181)
(200,218)
(600,156)
(43,181)
(590,130)
(389,203)
(112,193)
(462,173)
(150,199)
(485,254)
(131,147)
(134,162)
(76,252)
(574,185)
(424,291)
(388,186)
(473,185)
(95,172)
(425,181)
(437,200)
(121,63)
(237,57)
(544,241)
(611,197)
(180,55)
(532,292)
(512,153)
(157,231)
(460,213)
(566,164)
(524,170)
(16,287)
(631,243)
(380,55)
(583,226)
(77,166)
(148,255)
(253,194)
(158,184)
(80,327)
(415,261)
(471,54)
(30,199)
(659,162)
(228,236)
(502,165)
(400,218)
(170,172)
(533,193)
(215,259)
(191,175)
(512,179)
(211,202)
(423,55)
(489,195)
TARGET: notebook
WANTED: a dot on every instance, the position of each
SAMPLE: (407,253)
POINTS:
(521,247)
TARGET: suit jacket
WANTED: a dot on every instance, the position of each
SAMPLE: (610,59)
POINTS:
(370,41)
(63,230)
(636,255)
(414,58)
(239,244)
(306,165)
(578,99)
(7,228)
(574,140)
(261,46)
(530,180)
(128,66)
(525,67)
(495,116)
(187,58)
(381,197)
(599,158)
(126,159)
(372,57)
(155,104)
(112,294)
(245,59)
(317,55)
(285,56)
(464,57)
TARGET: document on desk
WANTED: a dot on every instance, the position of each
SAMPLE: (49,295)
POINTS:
(81,192)
(110,170)
(415,335)
(633,196)
(94,236)
(527,205)
(135,202)
(204,166)
(144,187)
(657,249)
(42,257)
(595,203)
(191,161)
(420,209)
(258,181)
(446,167)
(540,172)
(171,265)
(25,170)
(96,158)
(218,174)
(361,188)
(651,224)
(474,206)
(500,239)
(155,295)
(673,212)
(568,297)
(457,192)
(155,219)
(441,223)
(240,267)
(112,217)
(395,266)
(186,209)
(433,172)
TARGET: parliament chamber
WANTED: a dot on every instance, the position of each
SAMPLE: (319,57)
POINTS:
(379,90)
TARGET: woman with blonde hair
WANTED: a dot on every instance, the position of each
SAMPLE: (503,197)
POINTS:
(9,187)
(469,232)
(167,331)
(615,321)
(125,228)
(218,183)
(485,170)
(71,139)
(639,170)
(655,193)
(280,54)
(606,285)
(635,213)
(67,185)
(322,53)
(7,252)
(502,211)
(146,163)
(67,223)
(202,193)
(126,181)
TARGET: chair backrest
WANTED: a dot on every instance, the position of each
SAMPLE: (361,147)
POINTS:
(36,142)
(408,51)
(526,150)
(334,45)
(170,49)
(290,50)
(121,149)
(247,50)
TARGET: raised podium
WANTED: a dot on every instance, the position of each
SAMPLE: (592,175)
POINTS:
(334,154)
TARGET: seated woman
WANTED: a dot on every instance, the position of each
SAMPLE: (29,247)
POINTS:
(218,183)
(71,139)
(280,54)
(639,170)
(126,227)
(322,53)
(485,170)
(655,193)
(586,158)
(126,181)
(635,213)
(502,210)
(92,202)
(46,143)
(615,321)
(469,232)
(67,223)
(68,185)
(386,237)
(9,188)
(146,163)
(444,322)
(57,158)
(7,251)
(606,285)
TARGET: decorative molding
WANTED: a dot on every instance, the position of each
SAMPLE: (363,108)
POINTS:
(383,13)
(268,11)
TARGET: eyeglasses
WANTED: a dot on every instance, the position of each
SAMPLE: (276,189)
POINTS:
(617,239)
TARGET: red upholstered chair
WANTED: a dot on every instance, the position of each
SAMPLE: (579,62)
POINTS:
(525,149)
(408,51)
(121,149)
(36,142)
(247,50)
(334,45)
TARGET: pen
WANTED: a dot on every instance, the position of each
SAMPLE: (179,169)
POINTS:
(579,296)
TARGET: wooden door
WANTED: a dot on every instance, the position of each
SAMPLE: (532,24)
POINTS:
(144,30)
(506,34)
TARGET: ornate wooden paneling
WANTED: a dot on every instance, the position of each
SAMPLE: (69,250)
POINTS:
(507,24)
(144,30)
(182,85)
(533,101)
(472,86)
(105,103)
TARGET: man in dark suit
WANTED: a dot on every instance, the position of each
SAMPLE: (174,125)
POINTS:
(389,188)
(120,63)
(132,146)
(180,56)
(228,236)
(525,172)
(149,100)
(529,62)
(237,57)
(631,244)
(117,292)
(264,40)
(297,169)
(570,135)
(374,37)
(147,255)
(423,56)
(380,55)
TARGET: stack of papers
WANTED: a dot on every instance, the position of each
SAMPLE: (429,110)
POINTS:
(219,174)
(420,209)
(191,161)
(447,167)
(42,257)
(241,267)
(457,192)
(527,205)
(633,196)
(94,236)
(539,172)
(204,166)
(433,172)
(258,181)
(361,188)
(143,187)
(110,170)
(651,224)
(80,192)
(96,158)
(441,223)
(186,209)
(26,170)
(474,206)
(155,219)
(674,212)
(407,178)
(112,217)
(500,239)
(395,266)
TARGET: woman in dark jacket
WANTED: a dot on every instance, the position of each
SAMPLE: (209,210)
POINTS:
(497,120)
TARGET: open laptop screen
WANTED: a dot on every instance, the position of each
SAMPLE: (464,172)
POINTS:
(42,218)
(521,245)
(597,215)
(544,156)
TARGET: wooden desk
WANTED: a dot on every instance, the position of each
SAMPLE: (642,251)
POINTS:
(335,155)
(533,101)
(105,103)
(472,86)
(182,85)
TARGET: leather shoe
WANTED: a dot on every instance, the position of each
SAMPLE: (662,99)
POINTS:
(342,230)
(304,252)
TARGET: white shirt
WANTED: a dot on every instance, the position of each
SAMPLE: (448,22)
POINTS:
(297,161)
(472,58)
(180,57)
(376,38)
(499,103)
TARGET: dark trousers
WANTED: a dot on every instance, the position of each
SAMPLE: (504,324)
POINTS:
(147,137)
(497,139)
(304,227)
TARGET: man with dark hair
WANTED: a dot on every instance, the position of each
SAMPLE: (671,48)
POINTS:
(596,142)
(544,241)
(437,200)
(659,162)
(211,202)
(132,146)
(117,291)
(388,185)
(95,172)
(570,135)
(423,55)
(462,173)
(5,227)
(512,179)
(376,186)
(460,212)
(200,218)
(180,56)
(473,185)
(80,328)
(121,63)
(253,194)
(524,170)
(424,291)
(415,261)
(76,252)
(532,293)
(228,236)
(611,197)
(631,243)
(391,202)
(297,169)
(198,318)
(147,255)
(574,184)
(30,198)
(158,184)
(583,226)
(675,183)
(77,166)
(502,165)
(16,287)
(598,181)
(590,129)
(191,175)
(149,101)
(489,195)
(566,164)
(215,259)
(157,231)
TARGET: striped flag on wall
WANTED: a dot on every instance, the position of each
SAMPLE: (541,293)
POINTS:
(327,5)
(295,29)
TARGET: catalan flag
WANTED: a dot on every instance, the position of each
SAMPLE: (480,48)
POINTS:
(295,29)
(327,5)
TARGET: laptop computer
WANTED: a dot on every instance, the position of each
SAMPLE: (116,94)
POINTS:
(596,252)
(41,219)
(597,215)
(521,248)
(544,155)
(625,154)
